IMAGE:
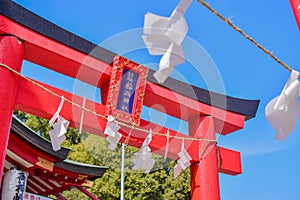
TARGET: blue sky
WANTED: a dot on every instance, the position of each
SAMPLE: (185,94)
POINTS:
(228,64)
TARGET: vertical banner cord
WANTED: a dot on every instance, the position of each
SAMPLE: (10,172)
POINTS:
(82,115)
(128,136)
(219,158)
(167,144)
(182,144)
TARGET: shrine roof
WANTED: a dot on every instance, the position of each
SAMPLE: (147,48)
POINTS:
(28,135)
(17,13)
(49,172)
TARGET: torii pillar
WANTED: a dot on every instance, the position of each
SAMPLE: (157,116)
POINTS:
(204,174)
(11,54)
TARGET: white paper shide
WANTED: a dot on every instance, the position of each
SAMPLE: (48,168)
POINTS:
(283,111)
(143,158)
(164,36)
(59,125)
(183,162)
(111,130)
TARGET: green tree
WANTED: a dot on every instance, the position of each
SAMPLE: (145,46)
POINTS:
(159,184)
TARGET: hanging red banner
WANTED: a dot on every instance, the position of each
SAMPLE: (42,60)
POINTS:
(126,90)
(296,9)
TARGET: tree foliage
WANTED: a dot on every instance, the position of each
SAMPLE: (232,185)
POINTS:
(92,149)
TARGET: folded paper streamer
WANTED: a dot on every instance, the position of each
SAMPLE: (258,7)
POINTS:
(282,111)
(57,134)
(183,161)
(164,36)
(143,158)
(111,130)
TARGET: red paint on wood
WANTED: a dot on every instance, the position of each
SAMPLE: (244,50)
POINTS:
(61,197)
(61,176)
(204,174)
(65,60)
(296,9)
(11,54)
(32,99)
(31,154)
(230,161)
(183,107)
(33,188)
(104,93)
(87,193)
(56,56)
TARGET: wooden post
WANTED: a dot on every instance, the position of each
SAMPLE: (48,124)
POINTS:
(60,196)
(204,175)
(11,54)
(87,193)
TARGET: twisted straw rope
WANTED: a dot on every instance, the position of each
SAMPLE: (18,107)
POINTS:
(239,30)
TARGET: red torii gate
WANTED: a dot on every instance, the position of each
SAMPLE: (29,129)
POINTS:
(25,35)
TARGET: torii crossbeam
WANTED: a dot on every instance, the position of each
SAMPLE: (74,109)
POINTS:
(25,35)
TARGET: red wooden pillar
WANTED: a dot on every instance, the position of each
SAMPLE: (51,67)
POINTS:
(61,197)
(204,175)
(11,54)
(87,193)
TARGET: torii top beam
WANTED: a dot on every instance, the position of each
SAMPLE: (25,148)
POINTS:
(68,52)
